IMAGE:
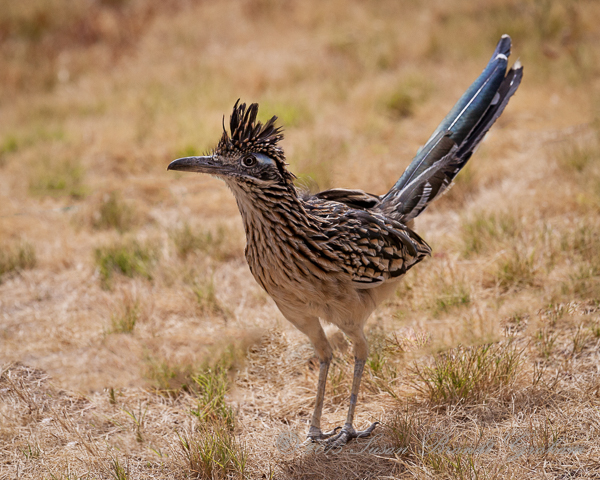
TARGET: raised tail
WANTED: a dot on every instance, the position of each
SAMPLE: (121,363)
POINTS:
(454,140)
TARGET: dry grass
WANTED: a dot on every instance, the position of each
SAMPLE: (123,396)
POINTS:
(113,213)
(16,257)
(129,258)
(469,375)
(128,315)
(213,452)
(133,339)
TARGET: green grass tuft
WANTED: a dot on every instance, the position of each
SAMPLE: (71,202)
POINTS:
(402,101)
(467,374)
(516,270)
(209,381)
(212,384)
(401,104)
(576,157)
(189,241)
(9,145)
(187,151)
(63,178)
(139,419)
(126,258)
(204,291)
(484,231)
(113,213)
(118,471)
(545,340)
(16,257)
(125,320)
(380,348)
(452,295)
(581,246)
(214,453)
(167,377)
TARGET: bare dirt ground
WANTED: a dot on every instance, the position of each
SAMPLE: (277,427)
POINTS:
(134,342)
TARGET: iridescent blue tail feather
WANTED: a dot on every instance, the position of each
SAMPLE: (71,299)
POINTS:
(454,140)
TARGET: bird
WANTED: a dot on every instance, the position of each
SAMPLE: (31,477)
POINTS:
(336,255)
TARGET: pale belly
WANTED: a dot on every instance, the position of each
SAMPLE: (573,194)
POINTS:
(333,299)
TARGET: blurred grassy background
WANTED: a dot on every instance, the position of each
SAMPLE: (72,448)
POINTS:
(115,275)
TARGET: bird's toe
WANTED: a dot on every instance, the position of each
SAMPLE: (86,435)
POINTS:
(316,435)
(346,434)
(367,431)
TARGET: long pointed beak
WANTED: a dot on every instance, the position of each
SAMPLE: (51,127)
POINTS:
(208,164)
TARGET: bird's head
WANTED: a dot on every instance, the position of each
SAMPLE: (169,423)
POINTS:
(249,155)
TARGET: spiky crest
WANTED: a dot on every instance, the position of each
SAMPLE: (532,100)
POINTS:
(250,136)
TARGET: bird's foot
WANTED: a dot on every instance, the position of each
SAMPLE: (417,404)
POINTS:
(346,434)
(316,435)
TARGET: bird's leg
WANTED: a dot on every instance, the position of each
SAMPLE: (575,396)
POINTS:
(315,433)
(359,367)
(311,327)
(348,432)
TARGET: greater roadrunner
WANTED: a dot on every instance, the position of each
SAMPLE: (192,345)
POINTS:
(337,254)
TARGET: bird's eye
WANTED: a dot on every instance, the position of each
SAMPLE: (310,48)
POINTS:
(249,161)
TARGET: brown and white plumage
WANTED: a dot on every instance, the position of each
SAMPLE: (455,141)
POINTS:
(337,254)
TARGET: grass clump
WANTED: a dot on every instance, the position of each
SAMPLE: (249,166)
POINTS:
(457,297)
(138,419)
(402,101)
(452,295)
(167,377)
(585,242)
(188,241)
(113,213)
(62,179)
(468,374)
(209,381)
(544,341)
(188,151)
(16,257)
(212,384)
(581,245)
(125,320)
(577,157)
(9,145)
(401,104)
(579,162)
(118,471)
(406,431)
(126,258)
(581,338)
(433,450)
(516,270)
(214,452)
(379,350)
(483,230)
(382,365)
(583,284)
(208,304)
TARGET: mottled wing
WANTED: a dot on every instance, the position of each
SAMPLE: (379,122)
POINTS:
(352,198)
(369,247)
(384,249)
